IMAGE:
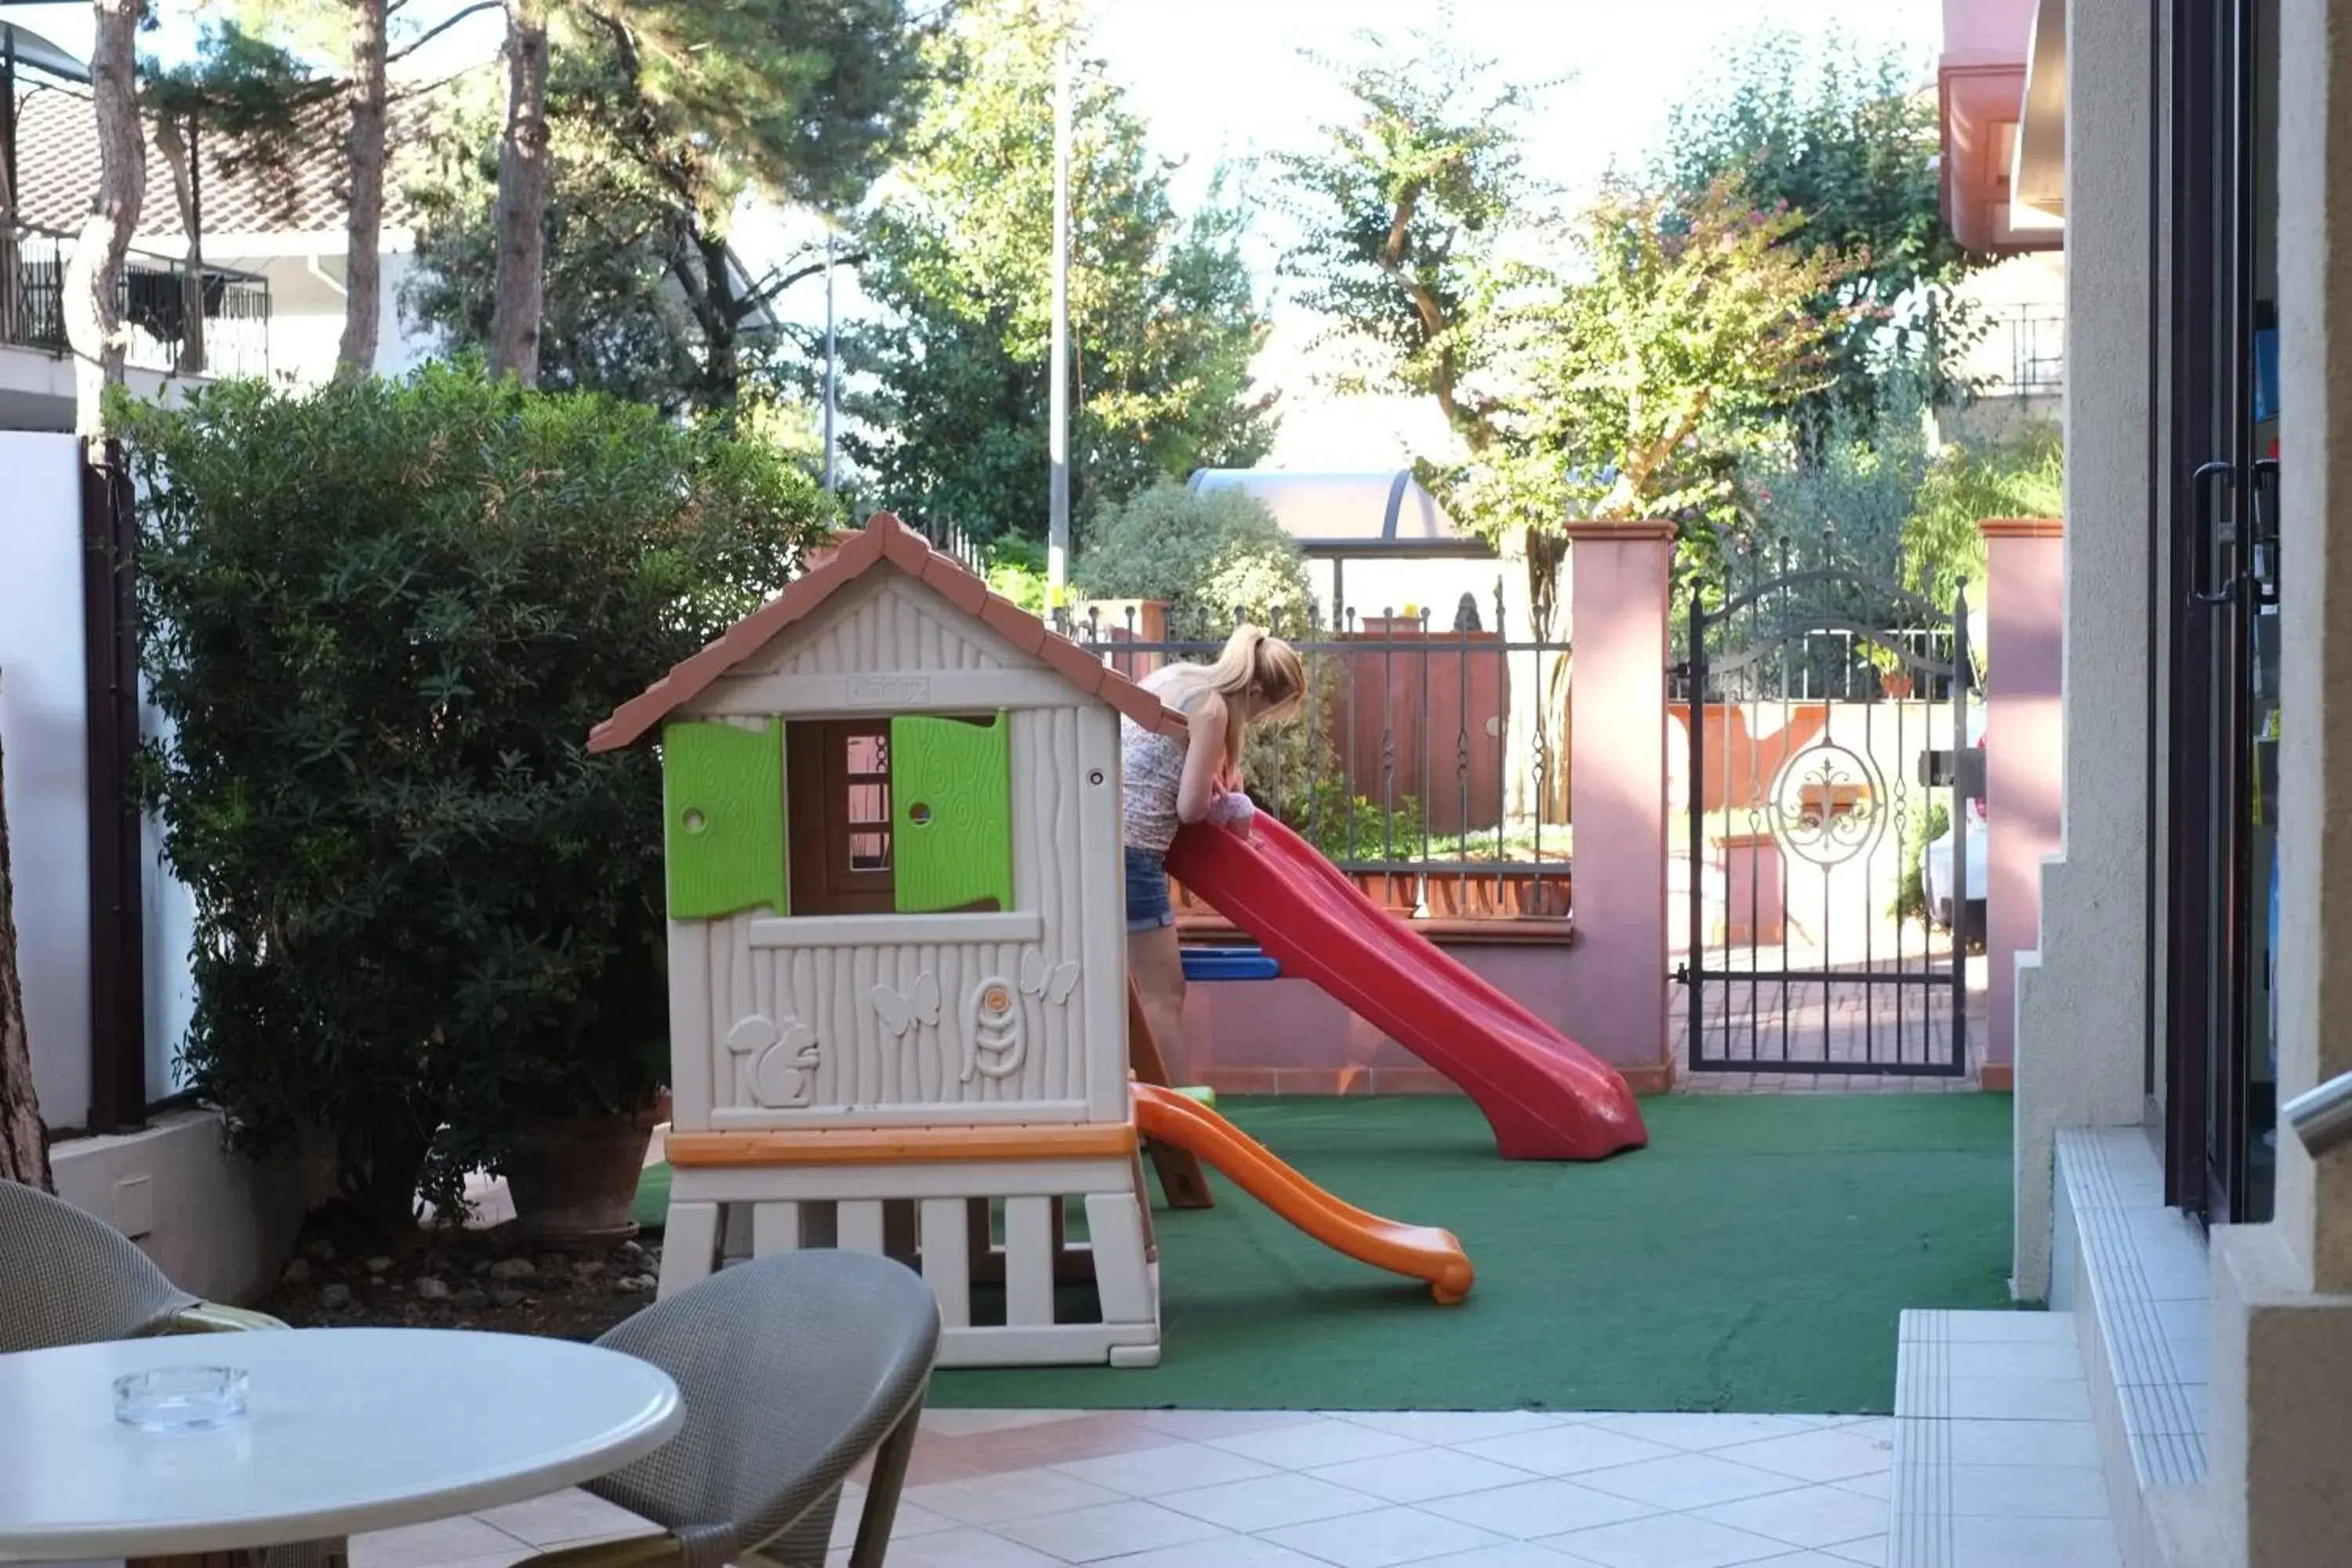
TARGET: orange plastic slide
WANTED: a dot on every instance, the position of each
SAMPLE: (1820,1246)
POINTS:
(1419,1251)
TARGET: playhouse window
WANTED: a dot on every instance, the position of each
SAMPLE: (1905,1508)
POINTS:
(838,780)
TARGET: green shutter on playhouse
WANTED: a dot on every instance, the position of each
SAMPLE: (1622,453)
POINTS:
(952,813)
(723,811)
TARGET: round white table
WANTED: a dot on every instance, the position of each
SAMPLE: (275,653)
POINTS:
(346,1430)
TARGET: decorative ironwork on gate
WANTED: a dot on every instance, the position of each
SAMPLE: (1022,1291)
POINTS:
(1826,834)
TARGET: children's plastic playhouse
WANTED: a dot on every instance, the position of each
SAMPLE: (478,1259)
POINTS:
(899,990)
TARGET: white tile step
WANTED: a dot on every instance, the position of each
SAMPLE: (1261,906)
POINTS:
(1996,1458)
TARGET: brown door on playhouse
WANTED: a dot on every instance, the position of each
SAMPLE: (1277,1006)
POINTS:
(910,815)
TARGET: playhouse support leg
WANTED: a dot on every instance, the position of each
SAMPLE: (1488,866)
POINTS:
(689,1245)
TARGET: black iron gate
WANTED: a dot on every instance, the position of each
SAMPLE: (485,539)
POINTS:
(1834,802)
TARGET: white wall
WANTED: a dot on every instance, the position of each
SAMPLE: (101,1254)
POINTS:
(44,726)
(43,732)
(306,317)
(1375,586)
(2081,996)
(219,1224)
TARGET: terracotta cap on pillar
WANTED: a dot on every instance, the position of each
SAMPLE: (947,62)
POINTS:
(2023,528)
(1626,529)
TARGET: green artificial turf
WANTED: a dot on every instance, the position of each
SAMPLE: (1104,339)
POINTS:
(1754,1257)
(651,1211)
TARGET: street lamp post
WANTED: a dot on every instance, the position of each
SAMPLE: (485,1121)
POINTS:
(1057,533)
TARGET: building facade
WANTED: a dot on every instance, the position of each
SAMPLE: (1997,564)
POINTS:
(2193,155)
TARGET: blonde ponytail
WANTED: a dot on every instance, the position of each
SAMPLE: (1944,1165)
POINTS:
(1235,669)
(1252,659)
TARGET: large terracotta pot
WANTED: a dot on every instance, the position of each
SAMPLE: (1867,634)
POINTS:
(573,1179)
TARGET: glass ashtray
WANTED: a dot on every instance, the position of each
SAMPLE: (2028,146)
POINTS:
(180,1398)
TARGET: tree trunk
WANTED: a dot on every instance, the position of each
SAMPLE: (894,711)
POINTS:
(93,281)
(382,1164)
(363,245)
(24,1142)
(522,197)
(722,367)
(173,146)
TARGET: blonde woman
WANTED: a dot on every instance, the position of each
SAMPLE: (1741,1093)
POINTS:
(1257,679)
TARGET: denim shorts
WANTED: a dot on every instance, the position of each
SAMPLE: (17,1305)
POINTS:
(1148,908)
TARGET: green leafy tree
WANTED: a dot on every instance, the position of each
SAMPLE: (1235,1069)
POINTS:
(1843,137)
(289,78)
(1839,500)
(662,117)
(1210,556)
(1943,544)
(950,382)
(1405,207)
(1844,501)
(381,619)
(1607,363)
(1659,338)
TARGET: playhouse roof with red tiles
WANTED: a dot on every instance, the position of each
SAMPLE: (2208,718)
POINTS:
(884,542)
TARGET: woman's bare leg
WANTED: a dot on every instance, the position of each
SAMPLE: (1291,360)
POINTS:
(1153,959)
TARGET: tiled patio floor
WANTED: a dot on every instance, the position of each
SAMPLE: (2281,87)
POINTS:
(1282,1489)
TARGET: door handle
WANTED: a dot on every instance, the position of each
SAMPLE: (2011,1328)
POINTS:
(2266,535)
(2201,501)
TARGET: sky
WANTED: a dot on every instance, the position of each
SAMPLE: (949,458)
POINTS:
(1224,81)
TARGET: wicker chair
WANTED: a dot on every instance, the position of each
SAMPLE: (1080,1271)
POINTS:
(793,1368)
(69,1278)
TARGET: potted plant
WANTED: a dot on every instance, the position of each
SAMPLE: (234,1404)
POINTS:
(587,1093)
(1886,663)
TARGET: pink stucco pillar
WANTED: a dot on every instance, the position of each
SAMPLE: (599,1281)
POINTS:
(2025,608)
(1617,781)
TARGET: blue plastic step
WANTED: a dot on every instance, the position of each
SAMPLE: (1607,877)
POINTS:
(1229,964)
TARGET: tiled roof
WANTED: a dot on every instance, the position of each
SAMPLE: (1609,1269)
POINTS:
(883,541)
(56,165)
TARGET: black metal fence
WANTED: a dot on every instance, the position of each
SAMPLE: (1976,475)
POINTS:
(1834,664)
(153,300)
(1430,762)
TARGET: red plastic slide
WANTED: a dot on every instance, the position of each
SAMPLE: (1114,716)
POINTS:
(1545,1097)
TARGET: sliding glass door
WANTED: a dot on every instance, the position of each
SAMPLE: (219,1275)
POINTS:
(2218,501)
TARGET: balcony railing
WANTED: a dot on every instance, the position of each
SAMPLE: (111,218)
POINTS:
(154,302)
(2027,350)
